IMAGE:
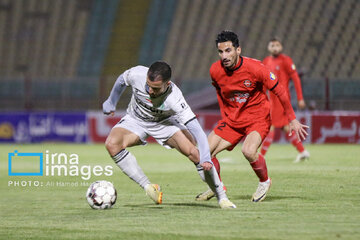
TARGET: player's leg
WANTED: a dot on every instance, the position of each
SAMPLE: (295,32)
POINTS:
(303,153)
(268,141)
(116,143)
(187,148)
(216,144)
(258,164)
(183,144)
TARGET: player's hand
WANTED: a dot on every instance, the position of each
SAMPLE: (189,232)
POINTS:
(301,104)
(108,108)
(206,166)
(299,129)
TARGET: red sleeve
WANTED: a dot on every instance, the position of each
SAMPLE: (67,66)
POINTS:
(297,83)
(272,83)
(281,93)
(268,78)
(291,70)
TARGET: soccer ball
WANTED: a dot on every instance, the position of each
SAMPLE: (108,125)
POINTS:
(101,195)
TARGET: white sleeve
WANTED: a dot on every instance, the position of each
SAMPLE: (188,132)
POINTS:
(182,110)
(128,80)
(119,87)
(195,129)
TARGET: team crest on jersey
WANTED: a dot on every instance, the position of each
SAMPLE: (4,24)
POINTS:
(247,83)
(272,76)
(293,67)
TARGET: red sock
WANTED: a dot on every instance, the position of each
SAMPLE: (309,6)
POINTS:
(259,167)
(267,142)
(295,142)
(216,165)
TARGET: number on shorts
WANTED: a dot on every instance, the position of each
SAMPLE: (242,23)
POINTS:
(222,125)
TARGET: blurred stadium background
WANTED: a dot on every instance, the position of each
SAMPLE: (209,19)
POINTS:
(60,58)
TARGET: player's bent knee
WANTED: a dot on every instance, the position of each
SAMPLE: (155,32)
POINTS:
(250,154)
(113,146)
(194,155)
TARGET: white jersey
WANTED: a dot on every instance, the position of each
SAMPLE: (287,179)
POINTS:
(143,107)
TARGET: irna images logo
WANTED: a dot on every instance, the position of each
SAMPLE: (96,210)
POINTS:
(53,164)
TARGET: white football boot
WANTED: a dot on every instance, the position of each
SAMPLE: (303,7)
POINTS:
(302,156)
(226,203)
(261,191)
(205,196)
(153,191)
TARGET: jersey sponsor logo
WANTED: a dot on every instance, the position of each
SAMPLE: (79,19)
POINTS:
(239,97)
(277,68)
(150,118)
(293,67)
(272,76)
(247,83)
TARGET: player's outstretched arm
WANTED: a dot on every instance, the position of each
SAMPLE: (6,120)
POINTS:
(119,87)
(297,83)
(295,125)
(195,129)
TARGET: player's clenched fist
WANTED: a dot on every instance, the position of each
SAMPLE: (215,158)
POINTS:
(108,107)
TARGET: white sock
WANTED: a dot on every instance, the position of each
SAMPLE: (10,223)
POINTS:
(128,164)
(212,179)
(200,171)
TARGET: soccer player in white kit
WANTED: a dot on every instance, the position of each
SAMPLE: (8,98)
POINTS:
(157,108)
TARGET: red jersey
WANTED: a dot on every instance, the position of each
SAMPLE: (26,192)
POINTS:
(284,69)
(240,92)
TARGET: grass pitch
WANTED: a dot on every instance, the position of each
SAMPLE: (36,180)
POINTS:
(317,199)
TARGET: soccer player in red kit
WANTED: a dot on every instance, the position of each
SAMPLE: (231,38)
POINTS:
(245,108)
(284,69)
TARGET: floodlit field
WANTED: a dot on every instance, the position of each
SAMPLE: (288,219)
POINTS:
(317,199)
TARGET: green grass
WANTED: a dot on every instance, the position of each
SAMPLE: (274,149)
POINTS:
(317,199)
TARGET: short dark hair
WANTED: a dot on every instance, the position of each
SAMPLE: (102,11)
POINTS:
(159,68)
(227,35)
(275,39)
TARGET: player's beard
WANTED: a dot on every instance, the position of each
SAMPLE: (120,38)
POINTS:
(275,53)
(233,65)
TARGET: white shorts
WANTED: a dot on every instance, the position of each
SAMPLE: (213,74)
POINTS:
(161,131)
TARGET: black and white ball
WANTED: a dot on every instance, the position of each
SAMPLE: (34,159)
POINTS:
(101,195)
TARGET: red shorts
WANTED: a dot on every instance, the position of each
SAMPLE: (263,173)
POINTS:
(234,135)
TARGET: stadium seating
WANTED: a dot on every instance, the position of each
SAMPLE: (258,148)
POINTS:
(321,36)
(45,41)
(156,31)
(51,43)
(44,38)
(97,37)
(309,30)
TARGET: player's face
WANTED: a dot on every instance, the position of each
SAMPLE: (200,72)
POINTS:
(229,55)
(275,48)
(157,87)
